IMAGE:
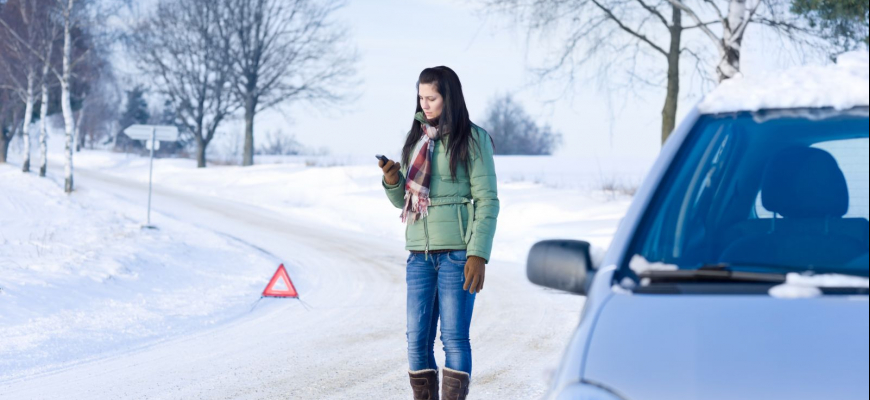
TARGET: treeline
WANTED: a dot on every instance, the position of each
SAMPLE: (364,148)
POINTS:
(207,61)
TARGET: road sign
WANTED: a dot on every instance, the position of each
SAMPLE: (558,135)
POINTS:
(153,134)
(163,133)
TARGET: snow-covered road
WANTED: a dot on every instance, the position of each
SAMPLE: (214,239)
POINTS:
(346,342)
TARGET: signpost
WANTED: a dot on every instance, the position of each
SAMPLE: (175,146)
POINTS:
(153,135)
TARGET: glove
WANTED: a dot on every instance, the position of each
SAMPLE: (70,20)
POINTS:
(391,171)
(475,270)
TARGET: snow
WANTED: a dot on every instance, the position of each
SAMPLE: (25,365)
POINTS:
(787,291)
(80,278)
(827,280)
(798,286)
(639,265)
(843,85)
(93,306)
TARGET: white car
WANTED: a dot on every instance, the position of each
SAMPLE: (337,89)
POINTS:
(741,268)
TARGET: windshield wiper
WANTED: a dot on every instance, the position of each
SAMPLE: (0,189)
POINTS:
(786,268)
(710,273)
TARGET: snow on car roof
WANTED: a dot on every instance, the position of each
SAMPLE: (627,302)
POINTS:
(842,86)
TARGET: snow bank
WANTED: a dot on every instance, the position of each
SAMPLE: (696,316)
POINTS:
(80,278)
(842,86)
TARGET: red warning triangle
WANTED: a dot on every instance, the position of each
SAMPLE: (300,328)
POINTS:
(280,285)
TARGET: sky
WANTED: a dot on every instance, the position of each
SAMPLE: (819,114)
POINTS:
(616,132)
(397,39)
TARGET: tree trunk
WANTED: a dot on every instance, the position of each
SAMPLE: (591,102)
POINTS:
(79,138)
(732,39)
(4,146)
(200,153)
(28,116)
(68,122)
(669,113)
(43,127)
(68,118)
(6,138)
(250,107)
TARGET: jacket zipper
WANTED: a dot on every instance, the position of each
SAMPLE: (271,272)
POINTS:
(426,231)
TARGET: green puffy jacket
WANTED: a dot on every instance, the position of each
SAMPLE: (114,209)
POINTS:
(451,207)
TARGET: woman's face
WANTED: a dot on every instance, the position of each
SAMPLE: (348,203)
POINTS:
(430,100)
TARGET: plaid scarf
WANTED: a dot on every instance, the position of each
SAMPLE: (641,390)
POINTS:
(419,174)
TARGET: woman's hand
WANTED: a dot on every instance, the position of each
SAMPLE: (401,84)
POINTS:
(475,270)
(391,171)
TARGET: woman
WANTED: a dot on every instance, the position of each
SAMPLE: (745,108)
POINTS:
(448,236)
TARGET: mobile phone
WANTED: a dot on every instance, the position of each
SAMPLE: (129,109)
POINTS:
(382,158)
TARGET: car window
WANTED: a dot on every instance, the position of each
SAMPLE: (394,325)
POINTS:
(852,156)
(776,192)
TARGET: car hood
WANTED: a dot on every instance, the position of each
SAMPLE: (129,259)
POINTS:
(672,347)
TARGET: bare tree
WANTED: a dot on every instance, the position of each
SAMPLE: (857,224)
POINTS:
(515,132)
(180,47)
(90,89)
(285,51)
(44,83)
(281,144)
(634,36)
(80,60)
(98,114)
(734,17)
(72,17)
(28,32)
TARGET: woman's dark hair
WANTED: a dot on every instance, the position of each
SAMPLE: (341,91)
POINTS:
(453,120)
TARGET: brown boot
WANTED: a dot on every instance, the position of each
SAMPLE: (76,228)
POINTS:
(455,384)
(424,383)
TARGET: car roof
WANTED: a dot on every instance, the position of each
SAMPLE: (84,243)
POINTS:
(843,85)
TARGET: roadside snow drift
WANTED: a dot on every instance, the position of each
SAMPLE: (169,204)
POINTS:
(79,277)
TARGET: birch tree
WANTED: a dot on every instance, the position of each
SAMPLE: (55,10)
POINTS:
(43,106)
(181,49)
(17,76)
(283,51)
(71,16)
(80,42)
(28,33)
(734,17)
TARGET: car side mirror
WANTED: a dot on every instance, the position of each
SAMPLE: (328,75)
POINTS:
(560,264)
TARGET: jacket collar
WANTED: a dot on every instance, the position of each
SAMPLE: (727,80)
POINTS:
(422,119)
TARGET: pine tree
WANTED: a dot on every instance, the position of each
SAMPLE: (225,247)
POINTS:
(844,22)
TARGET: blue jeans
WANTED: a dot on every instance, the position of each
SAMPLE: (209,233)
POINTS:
(435,289)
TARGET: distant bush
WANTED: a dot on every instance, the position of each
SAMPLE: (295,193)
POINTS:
(614,188)
(515,132)
(278,143)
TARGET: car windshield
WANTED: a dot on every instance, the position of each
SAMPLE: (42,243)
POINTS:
(765,191)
